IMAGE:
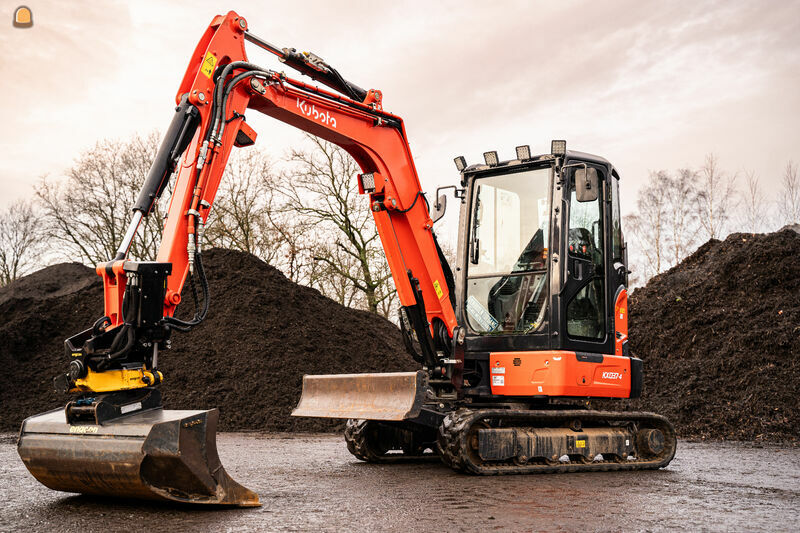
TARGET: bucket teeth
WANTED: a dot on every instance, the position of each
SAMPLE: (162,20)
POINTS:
(155,454)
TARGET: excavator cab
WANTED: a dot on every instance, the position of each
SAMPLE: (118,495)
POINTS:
(541,257)
(540,269)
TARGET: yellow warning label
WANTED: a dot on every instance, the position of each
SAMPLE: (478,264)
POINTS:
(580,444)
(438,289)
(209,64)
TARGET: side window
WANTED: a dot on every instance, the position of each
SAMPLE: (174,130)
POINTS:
(586,310)
(616,229)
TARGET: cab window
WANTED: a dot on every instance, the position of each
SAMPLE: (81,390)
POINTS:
(507,269)
(586,310)
(616,229)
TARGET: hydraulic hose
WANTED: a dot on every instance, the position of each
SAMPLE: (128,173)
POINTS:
(200,314)
(221,90)
(128,344)
(227,90)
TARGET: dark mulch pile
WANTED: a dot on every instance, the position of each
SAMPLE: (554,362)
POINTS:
(263,332)
(37,313)
(720,338)
(719,334)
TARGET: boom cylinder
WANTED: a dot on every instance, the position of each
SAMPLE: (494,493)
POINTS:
(177,138)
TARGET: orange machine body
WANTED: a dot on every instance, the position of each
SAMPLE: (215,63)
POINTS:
(621,322)
(560,373)
(114,281)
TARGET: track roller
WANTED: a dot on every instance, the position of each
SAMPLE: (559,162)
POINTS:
(492,442)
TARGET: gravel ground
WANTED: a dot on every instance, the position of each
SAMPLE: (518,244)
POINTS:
(310,482)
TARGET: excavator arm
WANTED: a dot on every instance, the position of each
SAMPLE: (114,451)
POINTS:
(219,87)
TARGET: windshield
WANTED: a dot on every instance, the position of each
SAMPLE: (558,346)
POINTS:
(507,272)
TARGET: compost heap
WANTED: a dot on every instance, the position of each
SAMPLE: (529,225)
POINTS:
(720,338)
(719,334)
(262,333)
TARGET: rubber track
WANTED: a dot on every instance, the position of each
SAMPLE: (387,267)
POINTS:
(359,443)
(455,430)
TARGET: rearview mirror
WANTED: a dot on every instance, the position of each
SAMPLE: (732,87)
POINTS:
(439,208)
(586,184)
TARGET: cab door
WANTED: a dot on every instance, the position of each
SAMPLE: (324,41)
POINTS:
(585,317)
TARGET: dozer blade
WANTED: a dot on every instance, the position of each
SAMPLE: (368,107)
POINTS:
(155,454)
(387,396)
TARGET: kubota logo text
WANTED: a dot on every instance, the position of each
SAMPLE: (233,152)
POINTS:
(311,111)
(612,375)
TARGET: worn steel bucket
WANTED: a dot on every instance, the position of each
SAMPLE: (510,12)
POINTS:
(155,454)
(384,396)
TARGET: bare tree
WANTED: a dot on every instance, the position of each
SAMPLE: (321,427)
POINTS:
(239,219)
(789,201)
(754,205)
(333,275)
(87,213)
(321,186)
(21,242)
(715,198)
(648,226)
(296,247)
(681,195)
(251,213)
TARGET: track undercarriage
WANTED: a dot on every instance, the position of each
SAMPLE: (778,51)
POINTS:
(376,441)
(520,441)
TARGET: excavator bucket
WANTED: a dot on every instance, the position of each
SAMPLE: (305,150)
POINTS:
(386,396)
(155,454)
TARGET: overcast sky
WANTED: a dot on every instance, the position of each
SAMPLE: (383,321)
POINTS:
(648,85)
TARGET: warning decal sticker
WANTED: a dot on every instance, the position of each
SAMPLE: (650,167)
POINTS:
(438,289)
(209,64)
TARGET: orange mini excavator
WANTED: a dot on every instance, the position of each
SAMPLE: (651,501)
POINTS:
(512,340)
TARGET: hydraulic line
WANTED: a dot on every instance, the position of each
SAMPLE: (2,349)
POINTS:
(200,314)
(227,90)
(217,115)
(300,62)
(126,331)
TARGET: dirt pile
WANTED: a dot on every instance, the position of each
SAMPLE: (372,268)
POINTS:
(37,313)
(263,332)
(720,338)
(719,334)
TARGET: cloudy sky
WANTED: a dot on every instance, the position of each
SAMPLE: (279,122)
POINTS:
(649,85)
